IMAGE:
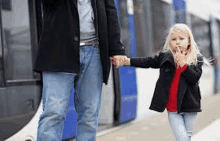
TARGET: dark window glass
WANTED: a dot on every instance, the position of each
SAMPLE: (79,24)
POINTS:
(160,14)
(201,33)
(17,44)
(6,4)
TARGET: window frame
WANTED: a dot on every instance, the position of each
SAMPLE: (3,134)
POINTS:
(2,83)
(34,46)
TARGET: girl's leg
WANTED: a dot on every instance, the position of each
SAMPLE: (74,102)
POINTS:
(189,119)
(178,126)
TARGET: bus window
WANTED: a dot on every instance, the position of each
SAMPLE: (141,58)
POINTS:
(6,4)
(160,14)
(143,28)
(201,32)
(17,44)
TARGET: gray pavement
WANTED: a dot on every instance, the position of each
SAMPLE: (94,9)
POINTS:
(156,128)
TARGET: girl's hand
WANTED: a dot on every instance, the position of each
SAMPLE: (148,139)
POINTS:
(180,57)
(127,61)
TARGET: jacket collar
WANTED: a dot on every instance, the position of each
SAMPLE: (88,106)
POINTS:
(168,57)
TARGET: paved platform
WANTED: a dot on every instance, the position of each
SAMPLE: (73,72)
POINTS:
(156,128)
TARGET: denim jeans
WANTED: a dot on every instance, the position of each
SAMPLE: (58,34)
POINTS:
(87,98)
(182,124)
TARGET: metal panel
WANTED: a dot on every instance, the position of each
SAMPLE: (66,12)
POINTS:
(22,103)
(22,99)
(3,103)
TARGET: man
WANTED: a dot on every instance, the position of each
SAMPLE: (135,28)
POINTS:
(77,40)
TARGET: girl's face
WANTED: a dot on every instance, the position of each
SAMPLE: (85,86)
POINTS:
(179,40)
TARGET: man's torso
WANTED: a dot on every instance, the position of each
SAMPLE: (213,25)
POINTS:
(86,20)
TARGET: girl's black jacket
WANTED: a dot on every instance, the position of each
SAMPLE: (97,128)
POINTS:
(188,95)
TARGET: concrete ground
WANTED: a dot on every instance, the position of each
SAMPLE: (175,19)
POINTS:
(156,128)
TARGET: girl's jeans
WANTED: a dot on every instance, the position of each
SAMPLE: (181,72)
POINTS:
(182,124)
(57,88)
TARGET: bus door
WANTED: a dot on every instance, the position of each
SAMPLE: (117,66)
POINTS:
(125,83)
(20,87)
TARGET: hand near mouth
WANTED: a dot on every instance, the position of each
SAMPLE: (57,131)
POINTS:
(180,57)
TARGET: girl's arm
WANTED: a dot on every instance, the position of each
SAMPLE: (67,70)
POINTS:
(193,73)
(148,62)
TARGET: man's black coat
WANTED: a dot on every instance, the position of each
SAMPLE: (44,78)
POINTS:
(188,95)
(58,49)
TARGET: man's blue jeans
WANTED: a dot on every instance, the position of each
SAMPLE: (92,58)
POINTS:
(182,124)
(87,98)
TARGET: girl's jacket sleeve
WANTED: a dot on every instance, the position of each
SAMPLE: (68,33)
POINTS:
(193,73)
(147,62)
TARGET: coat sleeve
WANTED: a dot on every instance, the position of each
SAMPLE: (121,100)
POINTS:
(148,62)
(49,4)
(115,45)
(193,73)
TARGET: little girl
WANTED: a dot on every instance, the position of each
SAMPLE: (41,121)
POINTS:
(177,88)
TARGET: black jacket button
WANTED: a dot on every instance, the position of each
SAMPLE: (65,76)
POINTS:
(76,38)
(167,70)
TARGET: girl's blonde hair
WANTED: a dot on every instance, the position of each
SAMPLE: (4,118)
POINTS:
(193,50)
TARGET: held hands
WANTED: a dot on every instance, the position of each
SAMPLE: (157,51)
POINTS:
(180,57)
(119,60)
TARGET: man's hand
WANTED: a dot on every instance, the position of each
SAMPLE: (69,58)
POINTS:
(118,60)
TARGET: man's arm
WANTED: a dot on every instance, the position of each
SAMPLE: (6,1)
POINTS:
(49,4)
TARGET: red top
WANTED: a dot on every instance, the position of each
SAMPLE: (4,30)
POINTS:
(172,102)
